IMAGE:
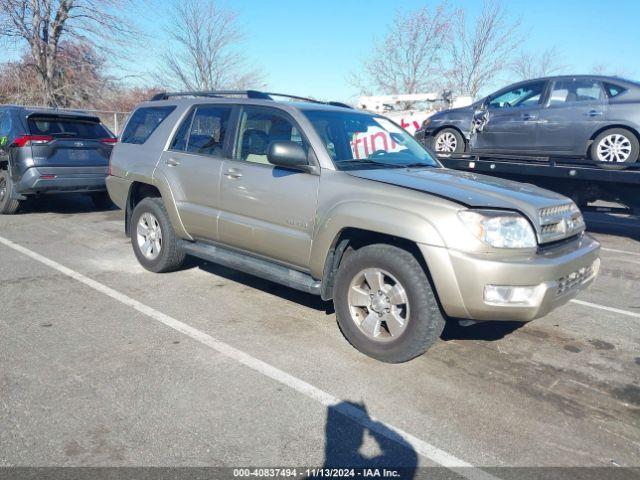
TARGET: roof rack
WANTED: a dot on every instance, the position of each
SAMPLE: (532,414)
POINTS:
(255,94)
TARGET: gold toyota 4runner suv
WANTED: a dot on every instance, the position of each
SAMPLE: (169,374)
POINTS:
(343,204)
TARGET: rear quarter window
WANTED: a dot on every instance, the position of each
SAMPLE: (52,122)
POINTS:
(613,90)
(143,123)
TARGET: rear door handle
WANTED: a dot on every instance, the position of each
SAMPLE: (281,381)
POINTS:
(233,173)
(172,162)
(594,113)
(527,116)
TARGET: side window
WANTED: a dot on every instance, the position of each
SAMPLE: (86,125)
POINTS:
(143,123)
(5,129)
(5,124)
(571,91)
(208,129)
(613,90)
(527,95)
(258,128)
(181,139)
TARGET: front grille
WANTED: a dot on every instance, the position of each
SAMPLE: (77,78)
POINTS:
(554,211)
(574,279)
(559,222)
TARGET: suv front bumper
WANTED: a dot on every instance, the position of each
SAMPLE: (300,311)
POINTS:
(558,274)
(62,180)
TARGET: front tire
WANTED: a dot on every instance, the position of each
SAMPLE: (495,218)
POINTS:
(154,241)
(615,148)
(8,205)
(448,141)
(384,304)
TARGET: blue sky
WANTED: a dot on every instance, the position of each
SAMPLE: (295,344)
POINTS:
(309,47)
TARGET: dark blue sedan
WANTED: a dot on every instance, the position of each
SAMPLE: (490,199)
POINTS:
(587,116)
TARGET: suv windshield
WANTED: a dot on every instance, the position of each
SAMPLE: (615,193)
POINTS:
(355,139)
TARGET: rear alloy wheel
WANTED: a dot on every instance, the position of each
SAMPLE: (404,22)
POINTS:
(448,141)
(384,304)
(8,205)
(616,147)
(153,239)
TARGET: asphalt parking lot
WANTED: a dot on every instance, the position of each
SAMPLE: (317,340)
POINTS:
(105,364)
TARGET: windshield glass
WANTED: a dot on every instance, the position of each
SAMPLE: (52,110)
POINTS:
(355,139)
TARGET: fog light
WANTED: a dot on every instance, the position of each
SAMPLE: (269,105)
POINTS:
(506,295)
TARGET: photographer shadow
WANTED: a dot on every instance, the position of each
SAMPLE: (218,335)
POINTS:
(354,440)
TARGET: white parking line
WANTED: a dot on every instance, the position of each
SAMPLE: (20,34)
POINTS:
(425,449)
(613,250)
(604,307)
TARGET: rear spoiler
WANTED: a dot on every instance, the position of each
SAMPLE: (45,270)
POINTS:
(66,116)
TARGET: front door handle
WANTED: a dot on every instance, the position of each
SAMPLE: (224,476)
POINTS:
(594,113)
(233,173)
(527,116)
(172,162)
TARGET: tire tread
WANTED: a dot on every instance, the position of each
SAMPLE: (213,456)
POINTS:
(428,323)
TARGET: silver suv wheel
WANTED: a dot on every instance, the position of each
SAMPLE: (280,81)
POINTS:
(378,304)
(614,148)
(149,236)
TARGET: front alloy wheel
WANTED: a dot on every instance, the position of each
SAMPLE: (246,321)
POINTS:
(448,141)
(378,304)
(384,303)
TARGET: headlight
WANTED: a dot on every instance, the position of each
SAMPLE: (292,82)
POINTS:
(499,229)
(577,220)
(426,123)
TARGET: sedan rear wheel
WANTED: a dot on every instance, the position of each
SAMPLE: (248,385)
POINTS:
(615,147)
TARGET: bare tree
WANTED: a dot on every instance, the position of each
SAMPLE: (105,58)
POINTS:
(481,50)
(205,52)
(530,65)
(43,27)
(604,68)
(409,58)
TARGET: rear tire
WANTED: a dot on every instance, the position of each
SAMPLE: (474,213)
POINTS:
(448,141)
(102,201)
(154,241)
(422,323)
(8,205)
(615,148)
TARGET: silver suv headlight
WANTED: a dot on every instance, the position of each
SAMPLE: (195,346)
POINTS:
(499,229)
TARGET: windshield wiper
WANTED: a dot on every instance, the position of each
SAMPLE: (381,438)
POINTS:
(417,164)
(369,161)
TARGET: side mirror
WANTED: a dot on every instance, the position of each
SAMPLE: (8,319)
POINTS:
(287,154)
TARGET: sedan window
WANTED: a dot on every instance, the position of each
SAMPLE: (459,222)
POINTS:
(570,91)
(527,95)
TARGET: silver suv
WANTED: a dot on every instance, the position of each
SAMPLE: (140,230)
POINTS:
(346,205)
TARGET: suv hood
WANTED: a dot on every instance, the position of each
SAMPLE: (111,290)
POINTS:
(469,189)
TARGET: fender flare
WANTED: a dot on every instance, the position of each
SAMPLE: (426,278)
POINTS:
(405,225)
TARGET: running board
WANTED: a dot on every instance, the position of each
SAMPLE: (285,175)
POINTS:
(253,266)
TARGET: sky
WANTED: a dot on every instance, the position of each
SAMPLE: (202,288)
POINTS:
(309,47)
